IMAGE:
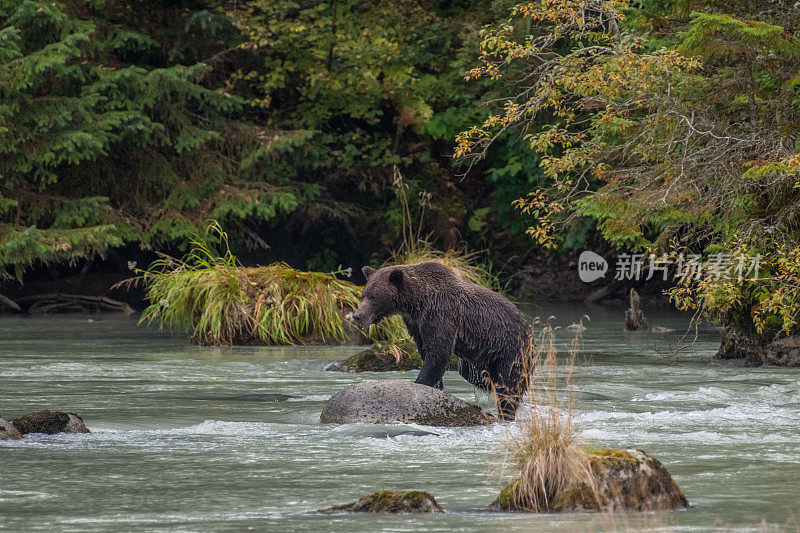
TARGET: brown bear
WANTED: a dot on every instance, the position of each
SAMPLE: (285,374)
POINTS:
(446,314)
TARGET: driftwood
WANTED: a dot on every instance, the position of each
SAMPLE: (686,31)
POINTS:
(634,316)
(8,302)
(39,304)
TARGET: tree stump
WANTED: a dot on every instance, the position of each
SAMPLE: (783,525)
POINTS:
(634,316)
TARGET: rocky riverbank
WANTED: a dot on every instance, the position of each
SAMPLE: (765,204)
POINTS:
(734,344)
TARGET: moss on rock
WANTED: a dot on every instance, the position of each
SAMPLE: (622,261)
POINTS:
(390,501)
(456,415)
(507,499)
(622,480)
(397,357)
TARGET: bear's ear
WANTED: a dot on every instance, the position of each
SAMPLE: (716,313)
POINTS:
(367,271)
(396,277)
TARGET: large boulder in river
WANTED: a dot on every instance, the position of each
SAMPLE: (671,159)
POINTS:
(735,344)
(8,431)
(398,357)
(390,501)
(784,351)
(383,402)
(50,422)
(622,480)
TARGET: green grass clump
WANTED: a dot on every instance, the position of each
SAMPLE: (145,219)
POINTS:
(219,301)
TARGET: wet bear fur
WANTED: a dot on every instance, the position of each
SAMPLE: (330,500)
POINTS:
(446,314)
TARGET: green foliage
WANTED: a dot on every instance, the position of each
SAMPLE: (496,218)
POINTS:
(215,299)
(132,122)
(674,131)
(112,134)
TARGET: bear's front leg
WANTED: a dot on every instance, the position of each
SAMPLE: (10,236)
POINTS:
(437,346)
(413,330)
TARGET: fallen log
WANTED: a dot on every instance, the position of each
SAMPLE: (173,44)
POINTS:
(38,304)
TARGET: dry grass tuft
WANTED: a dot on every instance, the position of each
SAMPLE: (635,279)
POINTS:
(463,263)
(545,450)
(415,248)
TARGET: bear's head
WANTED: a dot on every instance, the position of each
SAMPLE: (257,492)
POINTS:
(381,295)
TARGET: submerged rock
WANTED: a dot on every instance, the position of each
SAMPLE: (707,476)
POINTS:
(398,357)
(50,422)
(8,431)
(592,397)
(383,402)
(661,329)
(390,501)
(622,480)
(268,398)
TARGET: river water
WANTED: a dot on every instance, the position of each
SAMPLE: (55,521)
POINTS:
(181,439)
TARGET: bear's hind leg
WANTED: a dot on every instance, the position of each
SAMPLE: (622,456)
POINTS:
(509,388)
(475,376)
(507,404)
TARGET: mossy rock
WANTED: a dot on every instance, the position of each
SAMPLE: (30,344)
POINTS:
(390,501)
(735,344)
(50,422)
(387,401)
(398,357)
(624,480)
(8,431)
(784,352)
(507,499)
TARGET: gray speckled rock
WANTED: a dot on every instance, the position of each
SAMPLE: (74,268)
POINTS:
(8,431)
(383,402)
(50,422)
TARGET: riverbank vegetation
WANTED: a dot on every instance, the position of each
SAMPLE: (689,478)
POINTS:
(128,124)
(672,126)
(218,301)
(210,295)
(664,128)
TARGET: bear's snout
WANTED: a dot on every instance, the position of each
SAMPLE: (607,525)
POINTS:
(362,318)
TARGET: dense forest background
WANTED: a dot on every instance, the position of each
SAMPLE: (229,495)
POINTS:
(128,124)
(658,126)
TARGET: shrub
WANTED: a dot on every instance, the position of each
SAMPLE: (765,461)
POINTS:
(218,301)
